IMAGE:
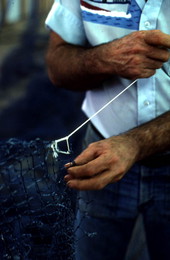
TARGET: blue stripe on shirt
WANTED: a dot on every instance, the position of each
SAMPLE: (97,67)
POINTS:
(127,23)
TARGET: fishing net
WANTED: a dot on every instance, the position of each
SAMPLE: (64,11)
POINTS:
(37,209)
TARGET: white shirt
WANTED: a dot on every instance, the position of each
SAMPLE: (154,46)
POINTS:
(95,22)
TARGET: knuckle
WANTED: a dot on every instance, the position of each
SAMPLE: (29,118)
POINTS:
(113,159)
(87,171)
(99,186)
(121,171)
(137,60)
(156,33)
(159,63)
(71,172)
(91,145)
(167,56)
(148,73)
(98,147)
(138,34)
(118,177)
(136,72)
(152,72)
(94,147)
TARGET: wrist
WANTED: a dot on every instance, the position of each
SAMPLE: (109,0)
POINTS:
(136,139)
(152,137)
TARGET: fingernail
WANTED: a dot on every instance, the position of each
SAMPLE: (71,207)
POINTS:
(70,164)
(67,165)
(67,178)
(69,183)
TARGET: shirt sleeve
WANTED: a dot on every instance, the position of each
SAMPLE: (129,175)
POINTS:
(65,19)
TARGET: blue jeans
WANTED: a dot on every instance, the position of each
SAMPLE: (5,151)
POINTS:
(106,218)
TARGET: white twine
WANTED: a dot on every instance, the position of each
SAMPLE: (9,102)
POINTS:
(54,145)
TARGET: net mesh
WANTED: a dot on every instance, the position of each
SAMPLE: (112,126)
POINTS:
(37,210)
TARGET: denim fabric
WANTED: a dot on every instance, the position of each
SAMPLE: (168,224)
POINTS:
(106,218)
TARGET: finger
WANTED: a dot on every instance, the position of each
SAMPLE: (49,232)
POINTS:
(98,182)
(152,64)
(159,54)
(156,37)
(146,73)
(147,69)
(70,164)
(86,156)
(89,169)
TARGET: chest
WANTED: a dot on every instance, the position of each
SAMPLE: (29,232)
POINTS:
(106,20)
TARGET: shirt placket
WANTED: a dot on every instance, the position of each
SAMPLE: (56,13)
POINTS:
(146,87)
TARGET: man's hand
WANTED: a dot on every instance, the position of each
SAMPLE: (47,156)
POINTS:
(136,55)
(108,160)
(102,163)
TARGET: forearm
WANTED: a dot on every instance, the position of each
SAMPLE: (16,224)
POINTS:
(74,67)
(133,56)
(152,137)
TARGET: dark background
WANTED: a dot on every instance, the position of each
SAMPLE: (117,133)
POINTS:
(30,106)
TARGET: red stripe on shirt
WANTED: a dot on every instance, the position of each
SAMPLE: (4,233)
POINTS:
(92,7)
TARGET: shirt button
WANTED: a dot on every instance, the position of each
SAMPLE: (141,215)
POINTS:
(147,24)
(146,103)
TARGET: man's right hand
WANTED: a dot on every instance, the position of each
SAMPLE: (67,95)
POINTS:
(136,55)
